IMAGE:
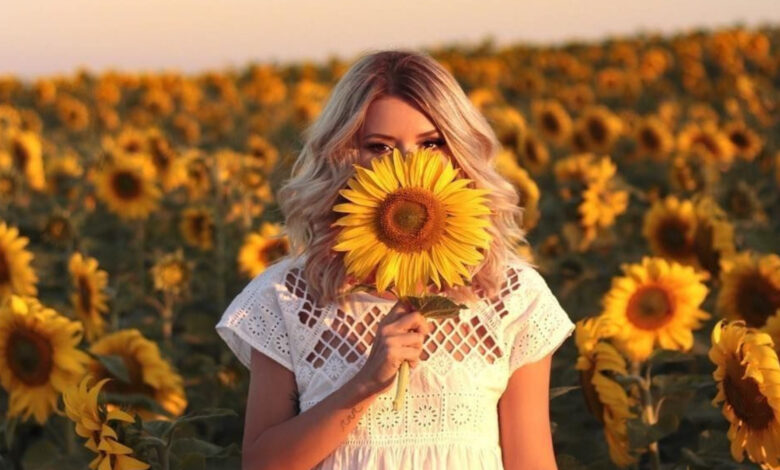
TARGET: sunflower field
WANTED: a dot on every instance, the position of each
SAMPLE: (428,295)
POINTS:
(134,206)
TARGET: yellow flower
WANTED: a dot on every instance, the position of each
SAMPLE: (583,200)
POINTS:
(654,138)
(747,143)
(706,140)
(748,382)
(172,273)
(262,152)
(601,128)
(525,186)
(750,288)
(149,373)
(89,300)
(16,274)
(413,219)
(127,186)
(39,356)
(552,120)
(262,248)
(509,126)
(24,148)
(670,229)
(197,227)
(655,303)
(91,420)
(606,399)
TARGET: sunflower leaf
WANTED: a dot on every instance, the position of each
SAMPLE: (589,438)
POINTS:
(558,391)
(436,306)
(115,365)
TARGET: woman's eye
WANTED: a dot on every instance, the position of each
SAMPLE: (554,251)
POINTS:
(377,148)
(436,142)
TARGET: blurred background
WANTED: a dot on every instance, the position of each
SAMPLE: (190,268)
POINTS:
(142,145)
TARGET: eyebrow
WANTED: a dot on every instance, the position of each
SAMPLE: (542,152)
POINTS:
(431,132)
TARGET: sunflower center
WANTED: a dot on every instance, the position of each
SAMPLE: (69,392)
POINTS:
(739,139)
(126,185)
(30,357)
(21,157)
(703,245)
(530,151)
(550,122)
(135,373)
(673,237)
(172,274)
(650,308)
(650,139)
(85,294)
(597,129)
(744,396)
(410,219)
(757,299)
(274,250)
(591,396)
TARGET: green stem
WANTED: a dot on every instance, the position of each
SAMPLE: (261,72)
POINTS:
(649,415)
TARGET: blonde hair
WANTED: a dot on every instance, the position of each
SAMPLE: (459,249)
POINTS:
(331,147)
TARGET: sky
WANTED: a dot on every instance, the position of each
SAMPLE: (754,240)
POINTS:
(42,37)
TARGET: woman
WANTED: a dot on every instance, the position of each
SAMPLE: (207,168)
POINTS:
(324,367)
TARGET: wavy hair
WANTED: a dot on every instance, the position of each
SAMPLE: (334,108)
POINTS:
(331,147)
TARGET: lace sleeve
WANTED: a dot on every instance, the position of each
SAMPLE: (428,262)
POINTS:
(536,324)
(254,320)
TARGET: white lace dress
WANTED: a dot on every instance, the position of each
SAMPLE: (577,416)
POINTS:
(450,416)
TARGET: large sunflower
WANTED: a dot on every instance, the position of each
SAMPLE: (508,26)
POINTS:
(197,227)
(89,300)
(413,219)
(750,288)
(598,361)
(39,357)
(149,373)
(16,274)
(262,248)
(747,380)
(91,420)
(656,303)
(127,186)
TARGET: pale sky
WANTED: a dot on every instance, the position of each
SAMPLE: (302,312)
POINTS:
(39,37)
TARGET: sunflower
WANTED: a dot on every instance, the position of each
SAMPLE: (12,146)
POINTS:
(606,399)
(127,186)
(262,248)
(24,147)
(197,227)
(601,128)
(40,356)
(509,125)
(73,113)
(198,172)
(170,169)
(600,206)
(750,288)
(89,300)
(670,229)
(656,302)
(653,137)
(149,373)
(172,273)
(262,152)
(16,274)
(747,380)
(58,228)
(552,120)
(747,143)
(692,173)
(91,422)
(706,140)
(534,155)
(413,219)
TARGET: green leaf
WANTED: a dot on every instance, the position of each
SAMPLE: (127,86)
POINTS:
(206,413)
(558,391)
(660,356)
(157,427)
(115,365)
(191,445)
(436,306)
(9,429)
(669,384)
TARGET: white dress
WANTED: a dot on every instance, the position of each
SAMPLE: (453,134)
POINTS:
(450,415)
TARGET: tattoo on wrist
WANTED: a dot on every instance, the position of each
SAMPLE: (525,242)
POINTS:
(352,413)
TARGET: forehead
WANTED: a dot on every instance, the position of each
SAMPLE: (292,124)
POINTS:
(393,116)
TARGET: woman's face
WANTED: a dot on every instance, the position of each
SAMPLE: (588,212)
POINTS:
(393,123)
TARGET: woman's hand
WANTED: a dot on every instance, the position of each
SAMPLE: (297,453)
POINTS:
(399,337)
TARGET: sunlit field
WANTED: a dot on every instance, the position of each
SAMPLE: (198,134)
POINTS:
(135,206)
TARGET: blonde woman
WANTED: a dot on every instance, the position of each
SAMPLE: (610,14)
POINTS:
(324,367)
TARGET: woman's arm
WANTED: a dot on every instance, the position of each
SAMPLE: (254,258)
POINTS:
(524,418)
(276,437)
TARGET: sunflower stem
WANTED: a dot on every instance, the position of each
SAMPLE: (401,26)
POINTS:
(649,414)
(167,317)
(140,236)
